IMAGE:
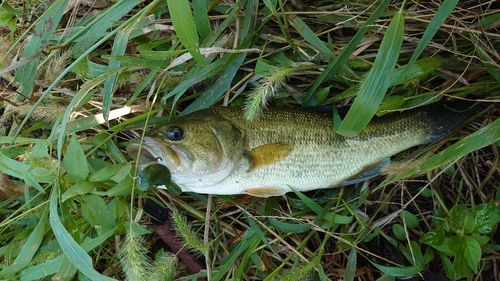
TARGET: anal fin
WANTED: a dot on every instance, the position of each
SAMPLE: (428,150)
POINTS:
(265,191)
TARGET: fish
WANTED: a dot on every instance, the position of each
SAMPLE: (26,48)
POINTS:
(217,151)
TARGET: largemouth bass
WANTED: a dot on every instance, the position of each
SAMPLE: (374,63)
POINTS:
(216,151)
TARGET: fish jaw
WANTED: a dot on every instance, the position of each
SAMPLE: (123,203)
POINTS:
(153,151)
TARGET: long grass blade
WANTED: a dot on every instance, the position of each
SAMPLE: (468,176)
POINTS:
(346,52)
(185,27)
(44,30)
(217,90)
(99,29)
(119,47)
(374,88)
(29,249)
(311,38)
(442,13)
(477,140)
(201,18)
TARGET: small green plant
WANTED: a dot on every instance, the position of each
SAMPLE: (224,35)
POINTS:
(461,237)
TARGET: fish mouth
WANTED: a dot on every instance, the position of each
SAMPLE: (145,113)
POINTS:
(153,152)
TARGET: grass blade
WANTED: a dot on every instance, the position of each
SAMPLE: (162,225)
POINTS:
(201,18)
(29,249)
(219,88)
(479,139)
(185,28)
(48,23)
(346,52)
(50,267)
(442,13)
(374,88)
(311,38)
(119,47)
(98,30)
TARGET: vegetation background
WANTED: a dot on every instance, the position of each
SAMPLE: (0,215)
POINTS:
(81,78)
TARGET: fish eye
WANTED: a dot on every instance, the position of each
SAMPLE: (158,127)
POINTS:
(175,133)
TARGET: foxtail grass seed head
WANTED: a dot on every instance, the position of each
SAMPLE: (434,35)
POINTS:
(304,273)
(55,66)
(258,99)
(185,233)
(134,260)
(47,112)
(165,266)
(398,167)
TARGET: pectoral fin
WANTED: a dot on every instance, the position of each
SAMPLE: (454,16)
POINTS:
(267,154)
(265,191)
(367,173)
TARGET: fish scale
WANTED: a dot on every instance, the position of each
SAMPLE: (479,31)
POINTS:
(222,153)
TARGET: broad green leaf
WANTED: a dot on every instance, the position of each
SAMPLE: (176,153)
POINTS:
(75,161)
(417,257)
(109,172)
(467,254)
(97,214)
(486,217)
(482,239)
(410,219)
(469,224)
(76,254)
(79,188)
(66,270)
(399,231)
(434,237)
(448,265)
(123,173)
(374,88)
(429,255)
(185,27)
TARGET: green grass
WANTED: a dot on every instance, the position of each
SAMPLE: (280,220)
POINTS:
(79,82)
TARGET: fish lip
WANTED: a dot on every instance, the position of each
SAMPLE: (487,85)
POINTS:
(154,151)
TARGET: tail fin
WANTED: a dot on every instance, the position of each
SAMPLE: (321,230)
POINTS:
(448,116)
